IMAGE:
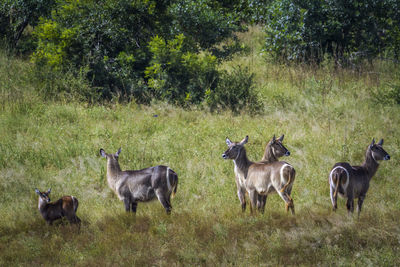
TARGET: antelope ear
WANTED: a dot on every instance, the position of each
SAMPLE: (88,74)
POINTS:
(244,141)
(380,142)
(48,191)
(102,153)
(119,151)
(273,138)
(281,138)
(372,143)
(37,191)
(228,142)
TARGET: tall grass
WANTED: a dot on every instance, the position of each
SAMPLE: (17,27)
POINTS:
(327,115)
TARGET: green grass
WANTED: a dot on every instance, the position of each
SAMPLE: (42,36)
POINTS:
(327,116)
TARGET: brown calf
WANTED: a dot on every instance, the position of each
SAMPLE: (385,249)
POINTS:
(64,207)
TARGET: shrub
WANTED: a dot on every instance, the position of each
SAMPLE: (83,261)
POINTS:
(235,91)
(204,23)
(16,16)
(115,40)
(307,30)
(179,76)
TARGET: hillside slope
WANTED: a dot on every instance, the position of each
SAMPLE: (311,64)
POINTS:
(327,116)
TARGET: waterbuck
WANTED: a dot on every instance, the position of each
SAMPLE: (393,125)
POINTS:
(353,181)
(273,151)
(259,178)
(64,207)
(140,185)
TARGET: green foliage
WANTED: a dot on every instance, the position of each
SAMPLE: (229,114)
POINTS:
(203,23)
(344,30)
(179,76)
(113,40)
(107,37)
(235,92)
(389,95)
(284,38)
(18,15)
(251,11)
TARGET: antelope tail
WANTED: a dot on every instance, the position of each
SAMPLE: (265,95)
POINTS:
(337,185)
(289,180)
(75,203)
(338,174)
(174,186)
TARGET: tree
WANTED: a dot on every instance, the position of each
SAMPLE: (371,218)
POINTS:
(17,15)
(114,39)
(307,30)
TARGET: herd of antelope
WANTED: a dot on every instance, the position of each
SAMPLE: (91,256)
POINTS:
(257,179)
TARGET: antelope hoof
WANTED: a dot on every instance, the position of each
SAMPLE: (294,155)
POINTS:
(292,209)
(244,208)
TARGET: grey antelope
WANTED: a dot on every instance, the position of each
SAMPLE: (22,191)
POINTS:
(140,185)
(273,151)
(353,181)
(64,207)
(259,178)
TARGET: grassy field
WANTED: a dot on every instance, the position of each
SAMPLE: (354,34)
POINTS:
(327,115)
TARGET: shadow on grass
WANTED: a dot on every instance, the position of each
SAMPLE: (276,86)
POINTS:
(190,237)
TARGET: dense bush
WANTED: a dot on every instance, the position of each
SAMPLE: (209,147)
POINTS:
(307,30)
(171,49)
(109,37)
(16,16)
(204,24)
(179,76)
(252,11)
(235,92)
(116,41)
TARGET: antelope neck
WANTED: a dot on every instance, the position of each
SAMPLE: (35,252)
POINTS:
(269,154)
(242,162)
(370,164)
(113,167)
(42,203)
(113,170)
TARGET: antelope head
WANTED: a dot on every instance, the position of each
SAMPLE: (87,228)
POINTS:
(278,148)
(113,157)
(234,148)
(44,196)
(377,151)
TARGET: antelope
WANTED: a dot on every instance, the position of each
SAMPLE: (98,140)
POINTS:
(273,151)
(353,181)
(259,178)
(64,207)
(135,186)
